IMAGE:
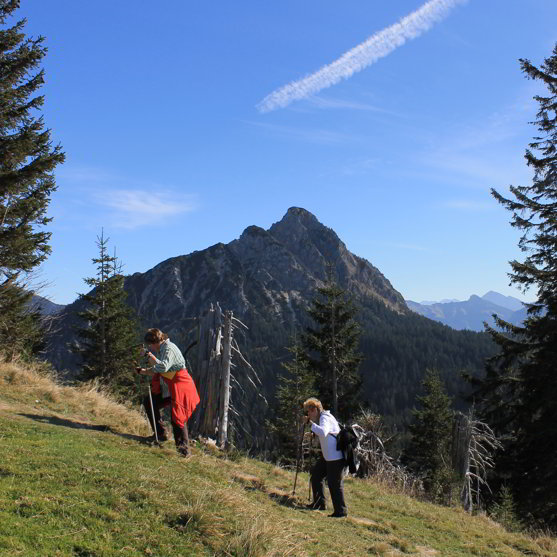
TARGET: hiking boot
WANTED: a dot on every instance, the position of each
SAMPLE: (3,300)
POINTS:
(338,515)
(184,451)
(181,439)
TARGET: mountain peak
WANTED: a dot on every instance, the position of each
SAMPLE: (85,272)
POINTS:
(508,302)
(298,223)
(300,213)
(296,219)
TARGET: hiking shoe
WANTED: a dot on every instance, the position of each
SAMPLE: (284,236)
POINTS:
(338,515)
(184,451)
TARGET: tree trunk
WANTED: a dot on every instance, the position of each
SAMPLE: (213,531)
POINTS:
(225,384)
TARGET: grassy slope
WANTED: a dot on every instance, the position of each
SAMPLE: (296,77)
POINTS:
(67,488)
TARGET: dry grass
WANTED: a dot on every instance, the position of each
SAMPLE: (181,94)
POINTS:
(546,542)
(249,533)
(37,386)
(228,507)
(258,537)
(250,480)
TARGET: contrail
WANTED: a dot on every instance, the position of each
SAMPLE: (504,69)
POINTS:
(365,54)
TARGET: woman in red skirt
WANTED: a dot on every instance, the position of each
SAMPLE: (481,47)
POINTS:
(170,365)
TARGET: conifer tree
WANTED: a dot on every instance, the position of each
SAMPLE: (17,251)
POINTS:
(430,446)
(22,326)
(332,347)
(295,386)
(27,162)
(519,390)
(107,342)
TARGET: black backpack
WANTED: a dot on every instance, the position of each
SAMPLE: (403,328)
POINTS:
(348,441)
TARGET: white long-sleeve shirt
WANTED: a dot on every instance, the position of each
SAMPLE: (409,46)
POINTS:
(326,431)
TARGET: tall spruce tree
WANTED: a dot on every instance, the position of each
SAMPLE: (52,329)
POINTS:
(27,162)
(107,342)
(519,390)
(429,451)
(332,348)
(296,385)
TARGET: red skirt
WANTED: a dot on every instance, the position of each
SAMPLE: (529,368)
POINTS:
(184,397)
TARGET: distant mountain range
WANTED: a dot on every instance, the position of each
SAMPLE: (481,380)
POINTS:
(472,313)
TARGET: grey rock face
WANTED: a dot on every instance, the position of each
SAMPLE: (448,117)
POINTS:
(269,273)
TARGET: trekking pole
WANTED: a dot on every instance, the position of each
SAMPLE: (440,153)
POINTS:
(153,415)
(310,498)
(299,456)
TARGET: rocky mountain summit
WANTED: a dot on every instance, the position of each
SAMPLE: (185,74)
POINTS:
(271,273)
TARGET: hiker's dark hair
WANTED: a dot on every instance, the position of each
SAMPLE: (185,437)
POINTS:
(152,336)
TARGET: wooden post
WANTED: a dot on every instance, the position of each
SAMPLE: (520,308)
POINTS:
(213,377)
(206,417)
(225,381)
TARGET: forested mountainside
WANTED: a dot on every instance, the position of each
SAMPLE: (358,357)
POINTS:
(267,278)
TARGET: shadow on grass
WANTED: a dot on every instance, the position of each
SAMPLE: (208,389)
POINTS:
(280,496)
(285,500)
(54,420)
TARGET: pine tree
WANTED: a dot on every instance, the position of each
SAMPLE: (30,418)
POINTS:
(429,450)
(107,342)
(504,511)
(22,327)
(332,347)
(295,386)
(519,390)
(27,162)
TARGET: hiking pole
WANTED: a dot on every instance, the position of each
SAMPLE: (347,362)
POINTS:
(310,498)
(153,416)
(299,456)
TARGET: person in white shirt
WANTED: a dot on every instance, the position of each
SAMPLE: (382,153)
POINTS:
(331,464)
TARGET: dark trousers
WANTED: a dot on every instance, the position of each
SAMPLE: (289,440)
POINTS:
(332,470)
(181,437)
(158,403)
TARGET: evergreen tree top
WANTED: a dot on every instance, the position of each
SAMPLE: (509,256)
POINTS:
(27,158)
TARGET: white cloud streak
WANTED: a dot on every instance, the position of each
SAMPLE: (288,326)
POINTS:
(136,208)
(120,201)
(377,46)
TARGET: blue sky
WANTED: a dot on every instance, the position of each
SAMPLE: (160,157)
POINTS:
(159,110)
